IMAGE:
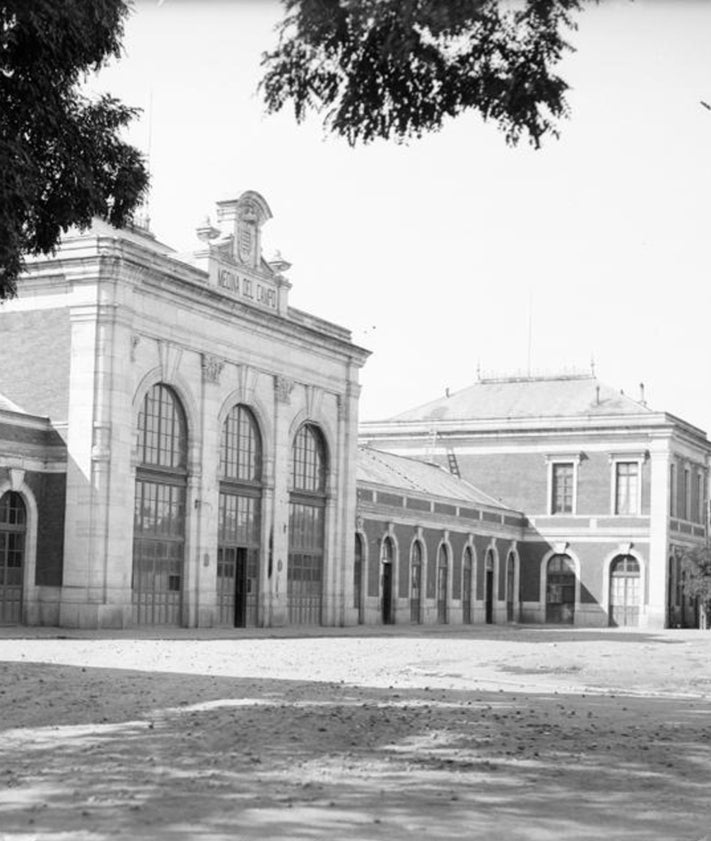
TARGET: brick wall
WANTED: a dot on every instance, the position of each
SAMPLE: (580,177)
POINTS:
(34,361)
(49,490)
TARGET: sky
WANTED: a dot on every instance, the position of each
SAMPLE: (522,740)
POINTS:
(457,254)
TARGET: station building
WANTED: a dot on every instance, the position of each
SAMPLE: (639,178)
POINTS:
(178,442)
(613,492)
(180,446)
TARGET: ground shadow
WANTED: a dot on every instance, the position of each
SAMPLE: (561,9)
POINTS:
(172,756)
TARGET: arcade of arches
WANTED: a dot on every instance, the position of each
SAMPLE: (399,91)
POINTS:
(160,519)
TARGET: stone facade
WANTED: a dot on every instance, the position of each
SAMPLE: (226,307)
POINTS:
(125,315)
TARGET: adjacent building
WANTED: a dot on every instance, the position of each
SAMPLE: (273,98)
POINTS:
(613,491)
(430,547)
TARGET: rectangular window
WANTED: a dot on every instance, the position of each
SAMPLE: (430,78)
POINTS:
(562,489)
(626,487)
(672,490)
(686,499)
(702,499)
(695,510)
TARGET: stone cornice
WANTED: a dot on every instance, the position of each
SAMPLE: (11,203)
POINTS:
(654,424)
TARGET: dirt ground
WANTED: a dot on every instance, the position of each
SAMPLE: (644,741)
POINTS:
(490,733)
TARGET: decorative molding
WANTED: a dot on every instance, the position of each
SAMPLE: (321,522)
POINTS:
(314,397)
(135,339)
(626,548)
(246,383)
(283,387)
(360,522)
(632,455)
(565,458)
(17,478)
(561,548)
(169,356)
(211,368)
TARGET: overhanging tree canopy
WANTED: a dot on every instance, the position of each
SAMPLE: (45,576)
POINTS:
(61,158)
(396,69)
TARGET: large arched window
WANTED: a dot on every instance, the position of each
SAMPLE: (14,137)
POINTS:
(159,514)
(309,470)
(162,431)
(239,518)
(13,527)
(308,464)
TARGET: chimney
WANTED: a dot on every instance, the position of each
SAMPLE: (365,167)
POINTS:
(597,395)
(641,394)
(446,392)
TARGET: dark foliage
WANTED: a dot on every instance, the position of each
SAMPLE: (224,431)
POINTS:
(696,564)
(396,69)
(61,159)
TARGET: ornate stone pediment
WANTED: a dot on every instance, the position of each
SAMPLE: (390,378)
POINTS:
(232,254)
(245,217)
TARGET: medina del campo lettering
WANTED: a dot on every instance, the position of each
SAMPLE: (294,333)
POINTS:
(251,290)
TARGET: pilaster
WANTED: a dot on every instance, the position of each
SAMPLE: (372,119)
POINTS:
(658,535)
(279,612)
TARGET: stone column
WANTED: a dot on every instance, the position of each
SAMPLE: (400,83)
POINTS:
(279,613)
(203,563)
(658,556)
(348,429)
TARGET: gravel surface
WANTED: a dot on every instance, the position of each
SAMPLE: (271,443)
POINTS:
(490,733)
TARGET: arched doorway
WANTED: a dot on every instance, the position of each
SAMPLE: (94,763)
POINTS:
(560,590)
(416,583)
(239,519)
(159,514)
(467,579)
(489,587)
(307,507)
(13,530)
(442,583)
(358,577)
(386,564)
(625,591)
(510,587)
